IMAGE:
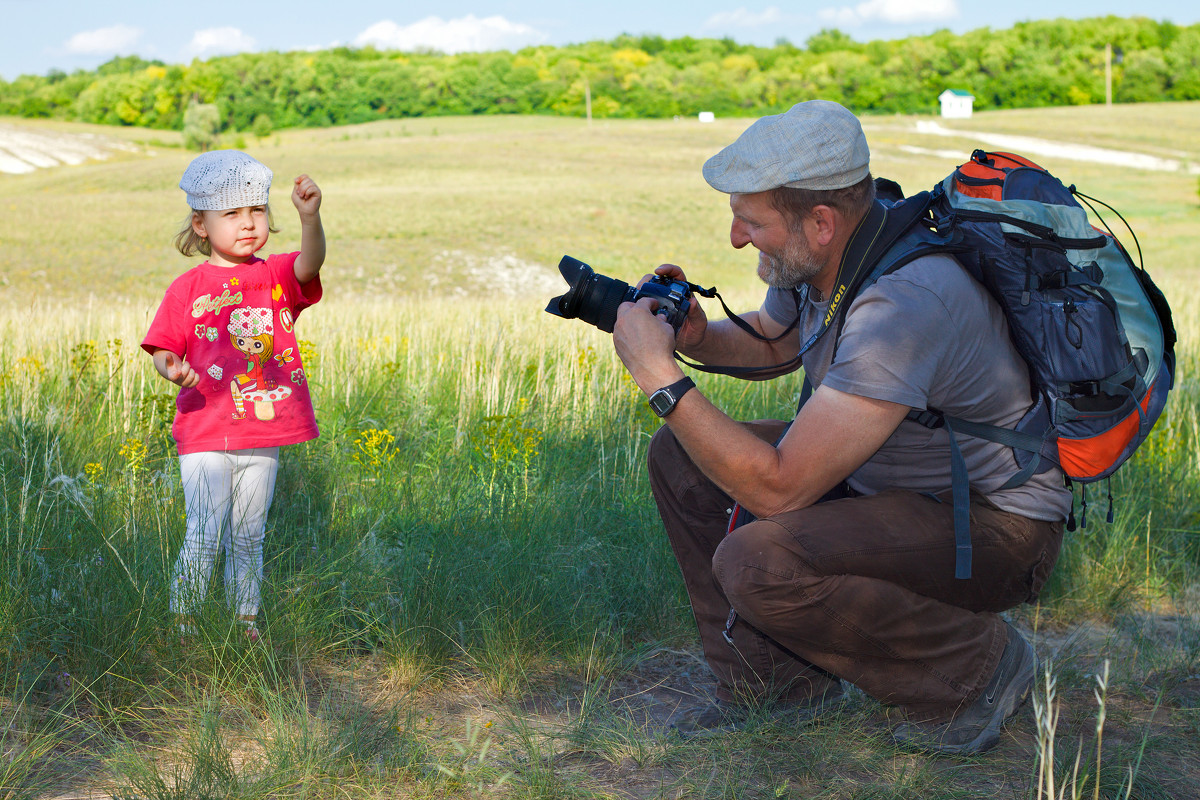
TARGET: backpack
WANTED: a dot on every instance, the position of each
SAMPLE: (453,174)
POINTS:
(1093,329)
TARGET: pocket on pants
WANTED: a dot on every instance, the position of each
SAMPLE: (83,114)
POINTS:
(1039,574)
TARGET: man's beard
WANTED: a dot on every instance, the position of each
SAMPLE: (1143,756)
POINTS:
(791,268)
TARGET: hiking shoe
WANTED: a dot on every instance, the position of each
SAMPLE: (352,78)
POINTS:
(722,716)
(977,727)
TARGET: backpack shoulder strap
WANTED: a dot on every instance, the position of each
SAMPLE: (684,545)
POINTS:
(891,235)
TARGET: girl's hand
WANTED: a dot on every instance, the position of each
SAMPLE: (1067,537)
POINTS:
(306,196)
(179,372)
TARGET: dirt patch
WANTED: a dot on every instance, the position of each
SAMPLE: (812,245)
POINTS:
(1030,146)
(505,273)
(23,150)
(1152,718)
(647,698)
(608,736)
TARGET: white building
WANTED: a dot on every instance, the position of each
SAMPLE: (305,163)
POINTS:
(956,103)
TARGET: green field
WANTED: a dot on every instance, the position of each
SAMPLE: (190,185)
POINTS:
(468,593)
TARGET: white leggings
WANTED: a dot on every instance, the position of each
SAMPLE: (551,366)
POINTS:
(228,493)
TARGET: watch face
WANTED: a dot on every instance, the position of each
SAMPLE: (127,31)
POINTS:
(661,402)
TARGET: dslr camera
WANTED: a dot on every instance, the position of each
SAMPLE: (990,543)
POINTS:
(594,298)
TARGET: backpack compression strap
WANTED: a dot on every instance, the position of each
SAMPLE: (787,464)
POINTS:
(960,487)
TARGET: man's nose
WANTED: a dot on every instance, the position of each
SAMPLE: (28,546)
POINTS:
(738,236)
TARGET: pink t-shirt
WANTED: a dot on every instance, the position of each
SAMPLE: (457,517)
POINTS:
(234,325)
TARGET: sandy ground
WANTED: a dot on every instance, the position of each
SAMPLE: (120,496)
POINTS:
(1030,146)
(24,150)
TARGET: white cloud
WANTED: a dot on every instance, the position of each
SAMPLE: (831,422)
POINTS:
(891,11)
(103,41)
(742,18)
(219,41)
(469,33)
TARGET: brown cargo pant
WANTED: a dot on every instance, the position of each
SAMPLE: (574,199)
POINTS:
(860,588)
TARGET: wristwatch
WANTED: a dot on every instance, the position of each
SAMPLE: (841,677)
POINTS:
(664,400)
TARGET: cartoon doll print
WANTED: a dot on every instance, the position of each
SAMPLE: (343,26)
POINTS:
(252,332)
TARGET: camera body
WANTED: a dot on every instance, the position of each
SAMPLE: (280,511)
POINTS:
(594,298)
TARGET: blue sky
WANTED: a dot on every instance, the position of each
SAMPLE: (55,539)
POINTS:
(39,35)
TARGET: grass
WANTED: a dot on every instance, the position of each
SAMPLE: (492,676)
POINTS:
(467,591)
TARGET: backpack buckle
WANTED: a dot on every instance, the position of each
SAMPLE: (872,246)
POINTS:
(1053,280)
(930,419)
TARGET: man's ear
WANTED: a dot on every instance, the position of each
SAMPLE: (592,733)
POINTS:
(198,225)
(825,222)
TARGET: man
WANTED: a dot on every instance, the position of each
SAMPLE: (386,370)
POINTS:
(861,588)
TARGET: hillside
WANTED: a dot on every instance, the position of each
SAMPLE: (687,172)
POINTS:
(464,205)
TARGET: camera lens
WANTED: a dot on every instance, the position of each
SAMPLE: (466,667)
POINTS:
(593,298)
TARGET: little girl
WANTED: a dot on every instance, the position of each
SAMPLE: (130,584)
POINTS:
(224,335)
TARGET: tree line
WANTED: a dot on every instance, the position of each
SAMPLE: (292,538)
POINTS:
(1037,63)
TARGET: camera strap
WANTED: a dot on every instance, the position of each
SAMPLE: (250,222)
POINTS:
(871,239)
(741,323)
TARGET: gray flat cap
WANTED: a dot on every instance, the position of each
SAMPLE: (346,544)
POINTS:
(817,144)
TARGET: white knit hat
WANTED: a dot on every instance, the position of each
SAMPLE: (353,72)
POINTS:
(222,179)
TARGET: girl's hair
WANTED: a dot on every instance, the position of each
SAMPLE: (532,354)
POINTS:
(188,242)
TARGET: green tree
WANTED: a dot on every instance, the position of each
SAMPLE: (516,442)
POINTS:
(829,40)
(1183,62)
(1037,63)
(1142,78)
(201,124)
(262,126)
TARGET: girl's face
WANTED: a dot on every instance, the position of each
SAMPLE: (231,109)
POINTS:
(235,234)
(252,345)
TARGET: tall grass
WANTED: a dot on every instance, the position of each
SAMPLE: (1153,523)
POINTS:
(475,503)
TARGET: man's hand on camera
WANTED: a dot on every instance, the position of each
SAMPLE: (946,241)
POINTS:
(645,344)
(691,332)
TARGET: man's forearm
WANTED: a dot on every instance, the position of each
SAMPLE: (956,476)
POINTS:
(832,436)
